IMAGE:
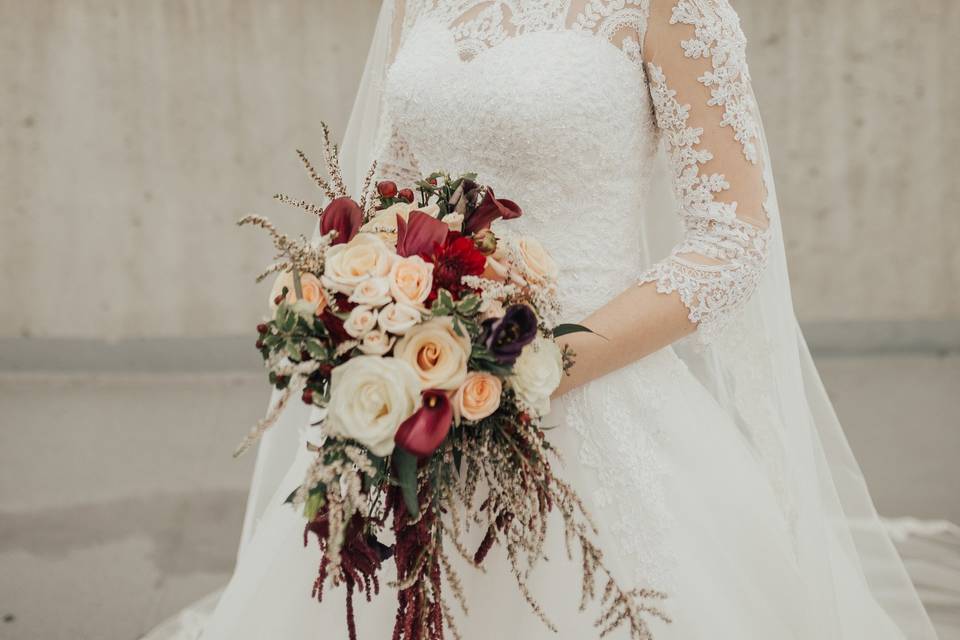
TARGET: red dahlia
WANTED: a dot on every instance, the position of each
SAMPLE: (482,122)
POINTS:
(458,256)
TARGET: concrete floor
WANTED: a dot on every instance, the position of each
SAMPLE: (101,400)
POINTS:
(120,503)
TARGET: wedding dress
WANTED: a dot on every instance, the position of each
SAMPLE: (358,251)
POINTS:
(715,468)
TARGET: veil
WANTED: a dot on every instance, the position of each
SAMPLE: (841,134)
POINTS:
(760,371)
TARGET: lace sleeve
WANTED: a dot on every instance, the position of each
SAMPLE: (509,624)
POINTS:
(695,57)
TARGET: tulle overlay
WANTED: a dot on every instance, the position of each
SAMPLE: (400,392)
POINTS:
(716,469)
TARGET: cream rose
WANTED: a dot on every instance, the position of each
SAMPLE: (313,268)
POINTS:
(364,257)
(537,374)
(410,280)
(436,353)
(385,221)
(374,292)
(477,397)
(398,318)
(376,343)
(361,320)
(309,285)
(370,397)
(539,264)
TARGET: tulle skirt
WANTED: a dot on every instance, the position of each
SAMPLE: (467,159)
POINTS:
(683,503)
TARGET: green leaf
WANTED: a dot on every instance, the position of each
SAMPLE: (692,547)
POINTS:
(317,350)
(458,459)
(406,466)
(293,349)
(273,340)
(469,305)
(313,504)
(443,305)
(457,326)
(566,329)
(286,318)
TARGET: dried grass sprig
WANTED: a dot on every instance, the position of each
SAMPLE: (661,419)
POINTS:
(318,180)
(332,156)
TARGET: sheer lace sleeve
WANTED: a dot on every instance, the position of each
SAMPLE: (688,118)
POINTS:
(694,54)
(395,161)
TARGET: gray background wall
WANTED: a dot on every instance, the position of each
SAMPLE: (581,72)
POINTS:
(133,134)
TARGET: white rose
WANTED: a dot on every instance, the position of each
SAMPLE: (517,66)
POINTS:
(374,292)
(376,343)
(349,264)
(361,320)
(370,397)
(398,318)
(537,374)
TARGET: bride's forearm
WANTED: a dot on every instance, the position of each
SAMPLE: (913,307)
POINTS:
(635,324)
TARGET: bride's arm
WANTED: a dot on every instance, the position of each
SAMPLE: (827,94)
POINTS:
(694,56)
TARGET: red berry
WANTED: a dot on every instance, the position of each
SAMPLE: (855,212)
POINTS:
(387,188)
(259,344)
(278,300)
(262,328)
(432,181)
(406,194)
(307,396)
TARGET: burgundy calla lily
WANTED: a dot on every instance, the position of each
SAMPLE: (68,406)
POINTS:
(420,233)
(422,433)
(343,215)
(489,210)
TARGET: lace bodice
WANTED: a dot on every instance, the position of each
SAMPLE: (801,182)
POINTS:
(562,104)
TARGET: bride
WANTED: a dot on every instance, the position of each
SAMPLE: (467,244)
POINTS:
(696,428)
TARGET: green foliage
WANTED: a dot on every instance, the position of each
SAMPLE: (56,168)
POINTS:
(405,464)
(567,329)
(481,359)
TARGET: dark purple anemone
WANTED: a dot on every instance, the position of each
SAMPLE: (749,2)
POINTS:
(506,337)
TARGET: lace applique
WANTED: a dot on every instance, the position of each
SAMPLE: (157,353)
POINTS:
(735,251)
(478,26)
(718,36)
(621,444)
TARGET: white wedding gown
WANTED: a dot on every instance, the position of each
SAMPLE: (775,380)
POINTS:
(716,469)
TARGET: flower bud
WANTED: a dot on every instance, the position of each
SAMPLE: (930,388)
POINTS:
(387,188)
(485,241)
(406,195)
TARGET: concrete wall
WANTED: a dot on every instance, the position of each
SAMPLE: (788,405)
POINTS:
(133,134)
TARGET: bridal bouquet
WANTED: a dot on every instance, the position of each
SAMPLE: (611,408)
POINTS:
(427,342)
